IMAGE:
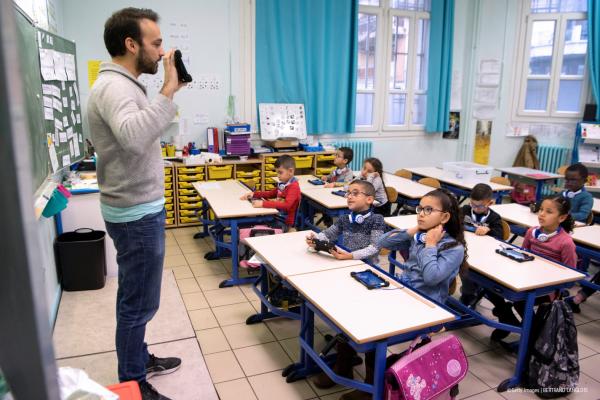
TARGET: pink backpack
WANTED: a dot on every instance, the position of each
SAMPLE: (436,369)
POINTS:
(257,230)
(430,372)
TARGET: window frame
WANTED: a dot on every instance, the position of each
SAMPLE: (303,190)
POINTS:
(383,58)
(551,112)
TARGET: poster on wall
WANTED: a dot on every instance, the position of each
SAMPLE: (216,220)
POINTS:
(483,133)
(454,131)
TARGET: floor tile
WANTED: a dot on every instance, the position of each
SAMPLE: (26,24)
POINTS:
(225,296)
(212,341)
(233,313)
(211,282)
(194,301)
(170,241)
(262,358)
(591,366)
(238,389)
(489,395)
(334,396)
(174,261)
(585,352)
(588,335)
(491,367)
(272,386)
(284,328)
(292,345)
(470,386)
(188,285)
(205,269)
(242,335)
(203,319)
(223,367)
(172,250)
(183,272)
(194,258)
(588,389)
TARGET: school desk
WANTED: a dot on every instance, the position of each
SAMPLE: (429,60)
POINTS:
(596,210)
(409,192)
(372,320)
(324,201)
(285,255)
(223,197)
(460,187)
(508,278)
(540,178)
(587,240)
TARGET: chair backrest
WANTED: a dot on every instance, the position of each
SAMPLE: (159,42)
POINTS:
(505,230)
(392,194)
(562,169)
(402,173)
(427,181)
(500,180)
(590,219)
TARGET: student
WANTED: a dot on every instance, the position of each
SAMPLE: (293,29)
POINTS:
(360,230)
(581,200)
(372,171)
(437,252)
(550,240)
(342,174)
(286,197)
(482,220)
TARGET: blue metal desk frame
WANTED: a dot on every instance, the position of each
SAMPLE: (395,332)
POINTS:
(539,183)
(308,209)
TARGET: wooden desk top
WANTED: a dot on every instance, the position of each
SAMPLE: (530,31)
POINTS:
(326,198)
(596,206)
(588,235)
(224,199)
(303,181)
(530,173)
(516,214)
(368,315)
(484,259)
(288,254)
(449,178)
(406,187)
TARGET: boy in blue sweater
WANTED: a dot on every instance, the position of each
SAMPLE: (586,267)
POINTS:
(581,200)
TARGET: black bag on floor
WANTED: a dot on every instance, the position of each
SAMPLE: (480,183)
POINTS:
(553,367)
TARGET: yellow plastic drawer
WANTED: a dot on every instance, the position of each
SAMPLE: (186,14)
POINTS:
(190,170)
(187,213)
(168,171)
(269,174)
(303,161)
(189,199)
(168,207)
(191,177)
(185,185)
(326,157)
(187,192)
(270,160)
(188,220)
(168,178)
(247,174)
(168,185)
(190,206)
(168,193)
(168,200)
(269,186)
(325,171)
(220,172)
(270,181)
(169,221)
(170,214)
(248,181)
(269,167)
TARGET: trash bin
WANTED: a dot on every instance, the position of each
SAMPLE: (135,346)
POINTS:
(81,260)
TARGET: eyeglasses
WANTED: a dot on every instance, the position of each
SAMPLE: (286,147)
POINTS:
(478,206)
(427,210)
(354,193)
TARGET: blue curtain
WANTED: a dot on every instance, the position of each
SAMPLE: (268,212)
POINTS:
(594,50)
(306,52)
(440,66)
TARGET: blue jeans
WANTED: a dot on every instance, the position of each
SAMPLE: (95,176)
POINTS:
(140,254)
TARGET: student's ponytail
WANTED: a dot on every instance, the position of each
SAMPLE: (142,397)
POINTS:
(564,208)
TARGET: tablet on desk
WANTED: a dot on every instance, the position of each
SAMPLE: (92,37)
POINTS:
(370,279)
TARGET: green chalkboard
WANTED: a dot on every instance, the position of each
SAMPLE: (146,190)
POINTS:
(61,122)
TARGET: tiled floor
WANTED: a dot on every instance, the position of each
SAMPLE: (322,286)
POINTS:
(245,361)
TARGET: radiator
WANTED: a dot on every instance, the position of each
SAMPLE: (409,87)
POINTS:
(362,149)
(552,157)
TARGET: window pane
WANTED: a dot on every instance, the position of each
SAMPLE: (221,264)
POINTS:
(367,35)
(555,6)
(364,109)
(537,94)
(422,54)
(397,109)
(412,5)
(419,109)
(369,2)
(542,40)
(399,64)
(569,95)
(575,49)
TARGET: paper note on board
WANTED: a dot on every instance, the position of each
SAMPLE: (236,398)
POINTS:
(47,64)
(59,65)
(48,113)
(66,160)
(70,67)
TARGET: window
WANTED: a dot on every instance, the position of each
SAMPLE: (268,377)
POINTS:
(554,79)
(393,42)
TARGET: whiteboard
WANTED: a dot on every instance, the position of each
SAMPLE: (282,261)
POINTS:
(280,121)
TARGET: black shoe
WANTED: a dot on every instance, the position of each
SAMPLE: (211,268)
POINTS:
(574,307)
(149,393)
(505,316)
(469,300)
(161,366)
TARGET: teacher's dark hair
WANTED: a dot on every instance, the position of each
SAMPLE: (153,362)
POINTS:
(123,24)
